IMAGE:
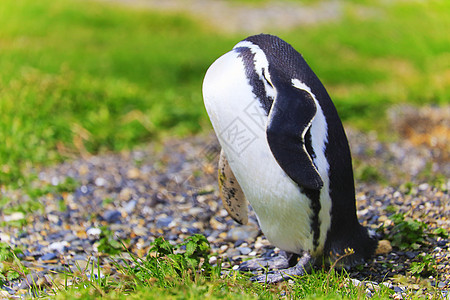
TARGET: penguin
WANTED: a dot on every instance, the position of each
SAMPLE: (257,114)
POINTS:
(285,151)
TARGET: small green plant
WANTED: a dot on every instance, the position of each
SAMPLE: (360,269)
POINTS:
(192,254)
(107,201)
(391,209)
(167,265)
(107,244)
(332,284)
(407,233)
(369,174)
(408,188)
(180,271)
(11,267)
(425,267)
(62,207)
(412,234)
(67,186)
(24,207)
(440,232)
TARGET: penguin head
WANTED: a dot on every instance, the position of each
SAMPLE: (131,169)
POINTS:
(256,65)
(272,64)
(281,58)
(269,63)
(241,73)
(267,69)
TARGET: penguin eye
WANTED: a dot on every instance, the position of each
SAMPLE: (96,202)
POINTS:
(265,77)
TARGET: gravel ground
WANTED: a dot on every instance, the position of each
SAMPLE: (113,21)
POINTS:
(170,190)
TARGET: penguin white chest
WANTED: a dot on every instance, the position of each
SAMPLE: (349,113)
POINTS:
(284,213)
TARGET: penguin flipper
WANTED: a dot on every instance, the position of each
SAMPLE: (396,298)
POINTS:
(289,119)
(233,198)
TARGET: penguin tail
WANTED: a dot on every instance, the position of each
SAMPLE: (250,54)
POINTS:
(351,247)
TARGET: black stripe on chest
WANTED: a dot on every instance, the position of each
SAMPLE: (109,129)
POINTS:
(314,197)
(258,88)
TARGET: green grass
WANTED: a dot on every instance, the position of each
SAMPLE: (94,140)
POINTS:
(95,78)
(171,272)
(88,78)
(182,272)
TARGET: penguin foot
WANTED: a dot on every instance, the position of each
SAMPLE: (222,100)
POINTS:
(301,268)
(273,263)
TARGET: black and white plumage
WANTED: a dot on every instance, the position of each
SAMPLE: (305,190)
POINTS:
(284,149)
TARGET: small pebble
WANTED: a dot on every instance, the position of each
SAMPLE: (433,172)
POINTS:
(4,237)
(112,216)
(232,252)
(16,216)
(125,194)
(84,189)
(130,206)
(48,256)
(355,282)
(70,237)
(133,173)
(59,246)
(244,250)
(164,222)
(94,232)
(384,247)
(442,243)
(245,232)
(213,260)
(100,181)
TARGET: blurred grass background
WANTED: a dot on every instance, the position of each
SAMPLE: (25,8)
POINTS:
(84,77)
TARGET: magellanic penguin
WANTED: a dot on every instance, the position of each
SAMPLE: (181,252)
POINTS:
(284,149)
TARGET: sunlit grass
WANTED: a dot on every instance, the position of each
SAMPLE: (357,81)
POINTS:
(165,274)
(85,79)
(183,271)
